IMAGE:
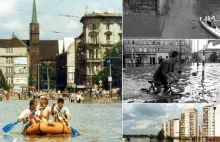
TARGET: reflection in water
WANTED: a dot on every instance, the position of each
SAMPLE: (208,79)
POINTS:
(194,88)
(180,20)
(95,122)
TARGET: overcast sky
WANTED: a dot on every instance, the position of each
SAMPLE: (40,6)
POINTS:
(15,15)
(148,118)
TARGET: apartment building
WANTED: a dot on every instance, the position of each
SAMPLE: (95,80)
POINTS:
(166,127)
(100,32)
(14,62)
(189,126)
(175,128)
(155,51)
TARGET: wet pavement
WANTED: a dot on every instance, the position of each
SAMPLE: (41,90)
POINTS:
(181,20)
(201,89)
(95,122)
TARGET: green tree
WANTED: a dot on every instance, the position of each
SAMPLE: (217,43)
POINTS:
(213,57)
(160,135)
(115,53)
(43,76)
(3,83)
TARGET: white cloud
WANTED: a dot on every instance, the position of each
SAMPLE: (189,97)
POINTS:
(14,25)
(143,124)
(72,25)
(5,7)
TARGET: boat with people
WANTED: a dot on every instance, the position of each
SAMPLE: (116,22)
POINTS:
(44,128)
(213,31)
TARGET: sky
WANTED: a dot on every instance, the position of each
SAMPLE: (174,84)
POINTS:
(148,118)
(16,15)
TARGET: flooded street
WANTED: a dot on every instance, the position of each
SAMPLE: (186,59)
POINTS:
(95,122)
(193,88)
(180,20)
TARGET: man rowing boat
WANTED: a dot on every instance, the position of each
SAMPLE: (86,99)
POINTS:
(210,20)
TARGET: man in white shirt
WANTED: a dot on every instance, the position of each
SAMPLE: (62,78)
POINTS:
(28,117)
(64,110)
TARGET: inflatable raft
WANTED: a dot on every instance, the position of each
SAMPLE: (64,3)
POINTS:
(44,128)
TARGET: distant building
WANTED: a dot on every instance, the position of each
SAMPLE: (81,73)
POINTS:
(211,124)
(65,64)
(166,127)
(189,126)
(100,32)
(14,62)
(155,51)
(175,128)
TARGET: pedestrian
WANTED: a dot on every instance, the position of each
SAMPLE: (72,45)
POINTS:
(7,95)
(163,75)
(64,110)
(72,96)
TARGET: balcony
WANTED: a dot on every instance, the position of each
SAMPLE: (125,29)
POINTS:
(93,60)
(9,74)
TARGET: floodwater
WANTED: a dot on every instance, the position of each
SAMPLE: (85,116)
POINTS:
(180,20)
(95,122)
(148,140)
(193,88)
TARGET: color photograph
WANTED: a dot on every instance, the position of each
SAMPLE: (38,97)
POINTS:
(60,70)
(171,122)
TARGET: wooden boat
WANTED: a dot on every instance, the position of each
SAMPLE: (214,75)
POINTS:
(213,31)
(44,128)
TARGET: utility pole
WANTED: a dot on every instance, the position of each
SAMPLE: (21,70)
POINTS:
(214,122)
(38,87)
(110,76)
(48,81)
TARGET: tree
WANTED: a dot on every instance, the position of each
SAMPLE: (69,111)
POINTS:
(3,83)
(115,53)
(213,57)
(160,135)
(43,76)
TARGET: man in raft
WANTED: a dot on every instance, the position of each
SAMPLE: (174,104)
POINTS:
(64,110)
(44,109)
(28,117)
(163,74)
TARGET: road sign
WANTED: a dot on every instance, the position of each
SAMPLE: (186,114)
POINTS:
(110,79)
(108,60)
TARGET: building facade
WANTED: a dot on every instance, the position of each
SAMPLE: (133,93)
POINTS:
(208,53)
(175,128)
(100,32)
(189,126)
(14,62)
(155,51)
(166,127)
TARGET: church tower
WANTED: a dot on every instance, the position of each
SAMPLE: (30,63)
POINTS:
(34,49)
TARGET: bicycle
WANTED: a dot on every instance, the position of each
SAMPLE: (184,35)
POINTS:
(173,97)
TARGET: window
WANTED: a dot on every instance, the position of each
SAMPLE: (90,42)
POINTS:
(158,50)
(140,49)
(158,42)
(9,69)
(93,38)
(171,43)
(128,49)
(107,26)
(108,37)
(120,26)
(9,50)
(94,26)
(145,49)
(120,36)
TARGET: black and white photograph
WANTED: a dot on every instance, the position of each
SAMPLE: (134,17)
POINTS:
(171,19)
(171,71)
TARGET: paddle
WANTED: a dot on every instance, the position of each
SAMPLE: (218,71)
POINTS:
(73,130)
(10,126)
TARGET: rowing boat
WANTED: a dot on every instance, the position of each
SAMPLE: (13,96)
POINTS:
(213,31)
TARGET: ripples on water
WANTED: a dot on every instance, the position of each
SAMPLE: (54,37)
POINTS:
(95,122)
(194,88)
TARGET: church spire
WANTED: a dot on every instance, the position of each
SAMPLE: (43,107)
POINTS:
(34,13)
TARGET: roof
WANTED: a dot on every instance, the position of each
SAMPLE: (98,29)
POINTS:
(48,50)
(13,42)
(101,15)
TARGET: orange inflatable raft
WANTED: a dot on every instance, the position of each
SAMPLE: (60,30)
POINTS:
(44,128)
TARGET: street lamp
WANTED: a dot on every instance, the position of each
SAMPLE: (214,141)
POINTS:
(214,122)
(48,79)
